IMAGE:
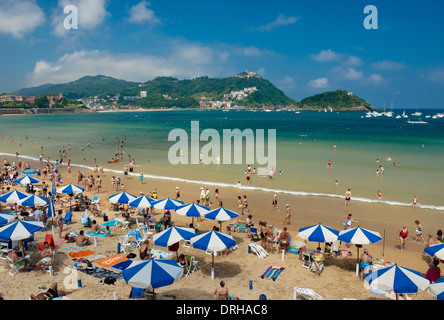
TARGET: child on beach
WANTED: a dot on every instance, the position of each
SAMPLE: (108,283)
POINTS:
(419,231)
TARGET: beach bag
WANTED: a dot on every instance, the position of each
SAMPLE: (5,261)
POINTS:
(109,280)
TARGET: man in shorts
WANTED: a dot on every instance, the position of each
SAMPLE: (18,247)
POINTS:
(46,257)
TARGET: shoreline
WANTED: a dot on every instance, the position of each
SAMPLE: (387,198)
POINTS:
(244,187)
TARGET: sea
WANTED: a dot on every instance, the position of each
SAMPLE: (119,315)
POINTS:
(411,154)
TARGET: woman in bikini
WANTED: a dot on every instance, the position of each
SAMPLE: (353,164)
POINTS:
(51,293)
(403,234)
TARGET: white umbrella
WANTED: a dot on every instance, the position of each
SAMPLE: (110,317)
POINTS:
(26,179)
(34,201)
(436,289)
(121,198)
(13,196)
(141,202)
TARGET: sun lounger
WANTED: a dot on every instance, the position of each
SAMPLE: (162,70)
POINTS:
(306,293)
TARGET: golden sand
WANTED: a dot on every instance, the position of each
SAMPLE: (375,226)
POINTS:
(337,281)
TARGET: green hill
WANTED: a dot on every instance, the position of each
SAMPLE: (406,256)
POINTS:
(87,86)
(337,100)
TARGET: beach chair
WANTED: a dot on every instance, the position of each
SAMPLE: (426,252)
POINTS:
(137,293)
(140,225)
(4,250)
(242,227)
(192,265)
(46,267)
(13,269)
(308,294)
(122,223)
(68,217)
(126,243)
(253,234)
(152,225)
(306,259)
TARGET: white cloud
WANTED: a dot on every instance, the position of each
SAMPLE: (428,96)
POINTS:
(280,21)
(184,60)
(326,55)
(348,73)
(91,14)
(436,75)
(389,65)
(352,61)
(376,79)
(20,17)
(318,83)
(140,13)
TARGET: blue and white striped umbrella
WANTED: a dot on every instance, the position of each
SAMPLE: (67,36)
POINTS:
(153,273)
(213,241)
(13,196)
(359,235)
(221,214)
(435,251)
(6,218)
(173,235)
(397,279)
(121,198)
(51,209)
(26,179)
(34,201)
(436,289)
(192,210)
(70,188)
(167,204)
(318,233)
(141,202)
(53,188)
(20,230)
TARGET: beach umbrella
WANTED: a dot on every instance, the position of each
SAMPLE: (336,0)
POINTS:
(435,251)
(167,204)
(359,236)
(221,215)
(53,189)
(34,201)
(20,230)
(6,218)
(70,189)
(173,235)
(192,210)
(436,289)
(13,196)
(213,241)
(26,180)
(121,198)
(153,273)
(29,171)
(51,209)
(398,279)
(141,202)
(318,233)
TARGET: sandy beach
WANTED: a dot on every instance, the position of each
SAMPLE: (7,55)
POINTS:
(338,280)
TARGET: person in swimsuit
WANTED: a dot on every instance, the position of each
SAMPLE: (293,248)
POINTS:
(46,257)
(288,216)
(177,193)
(183,261)
(364,263)
(403,234)
(51,293)
(240,205)
(284,239)
(318,261)
(415,201)
(221,292)
(270,237)
(347,197)
(419,231)
(143,250)
(263,230)
(275,204)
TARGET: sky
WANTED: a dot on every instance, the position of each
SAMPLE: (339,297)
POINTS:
(303,47)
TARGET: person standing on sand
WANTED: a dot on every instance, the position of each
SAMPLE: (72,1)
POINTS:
(288,216)
(347,197)
(403,236)
(275,204)
(419,231)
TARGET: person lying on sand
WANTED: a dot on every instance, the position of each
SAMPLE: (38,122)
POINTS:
(51,293)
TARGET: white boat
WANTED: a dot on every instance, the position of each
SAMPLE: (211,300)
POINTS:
(416,122)
(417,114)
(398,117)
(404,115)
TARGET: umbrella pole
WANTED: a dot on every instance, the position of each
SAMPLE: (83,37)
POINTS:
(212,267)
(383,244)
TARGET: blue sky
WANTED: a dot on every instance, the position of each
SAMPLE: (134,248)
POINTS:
(303,47)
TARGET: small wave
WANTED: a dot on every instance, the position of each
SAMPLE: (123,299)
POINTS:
(243,187)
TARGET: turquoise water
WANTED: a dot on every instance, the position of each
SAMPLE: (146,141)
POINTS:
(304,145)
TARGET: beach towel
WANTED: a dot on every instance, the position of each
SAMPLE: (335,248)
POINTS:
(59,243)
(111,223)
(121,265)
(110,261)
(101,235)
(99,272)
(74,249)
(96,256)
(272,273)
(81,253)
(160,254)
